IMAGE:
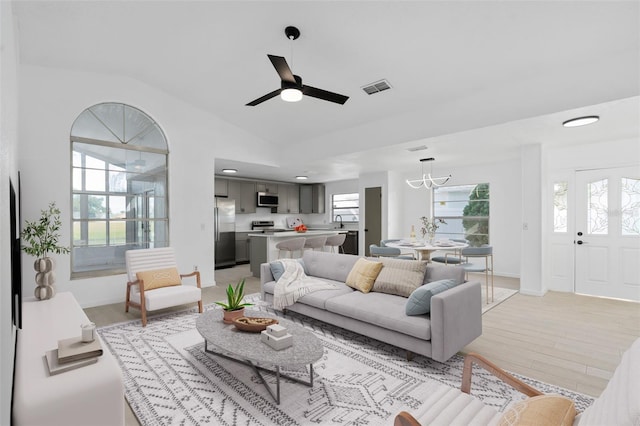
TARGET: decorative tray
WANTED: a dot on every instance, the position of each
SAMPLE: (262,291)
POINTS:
(253,324)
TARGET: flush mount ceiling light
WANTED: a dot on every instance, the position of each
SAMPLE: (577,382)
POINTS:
(581,121)
(427,180)
(230,171)
(302,177)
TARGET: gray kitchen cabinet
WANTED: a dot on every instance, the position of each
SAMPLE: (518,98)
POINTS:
(268,187)
(221,187)
(244,192)
(288,199)
(243,247)
(312,198)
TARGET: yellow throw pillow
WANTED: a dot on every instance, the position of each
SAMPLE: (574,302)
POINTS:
(540,410)
(363,275)
(159,278)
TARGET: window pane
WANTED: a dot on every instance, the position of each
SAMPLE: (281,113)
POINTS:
(77,214)
(94,180)
(598,207)
(465,209)
(97,233)
(97,207)
(117,207)
(630,206)
(117,232)
(117,182)
(77,179)
(560,207)
(345,207)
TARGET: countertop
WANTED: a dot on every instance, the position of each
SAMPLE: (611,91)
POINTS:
(289,234)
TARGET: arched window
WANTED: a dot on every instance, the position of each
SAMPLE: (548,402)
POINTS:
(119,187)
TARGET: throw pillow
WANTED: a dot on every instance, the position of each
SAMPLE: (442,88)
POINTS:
(399,276)
(157,278)
(277,268)
(363,274)
(540,410)
(419,302)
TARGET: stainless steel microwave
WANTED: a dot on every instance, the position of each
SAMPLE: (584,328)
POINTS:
(267,200)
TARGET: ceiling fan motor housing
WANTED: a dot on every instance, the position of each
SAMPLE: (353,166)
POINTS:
(290,85)
(292,33)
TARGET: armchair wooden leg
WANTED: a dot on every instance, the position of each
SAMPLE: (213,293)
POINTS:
(143,313)
(200,306)
(127,299)
(405,419)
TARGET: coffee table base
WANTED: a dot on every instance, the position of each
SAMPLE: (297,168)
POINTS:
(275,395)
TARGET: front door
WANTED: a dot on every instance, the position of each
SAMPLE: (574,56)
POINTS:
(607,233)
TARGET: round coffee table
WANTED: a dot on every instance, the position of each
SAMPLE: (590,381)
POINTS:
(247,348)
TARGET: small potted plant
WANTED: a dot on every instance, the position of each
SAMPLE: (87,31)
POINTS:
(430,226)
(234,308)
(41,238)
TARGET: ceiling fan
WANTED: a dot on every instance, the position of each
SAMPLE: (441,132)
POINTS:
(291,87)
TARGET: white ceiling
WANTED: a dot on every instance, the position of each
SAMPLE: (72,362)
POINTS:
(480,78)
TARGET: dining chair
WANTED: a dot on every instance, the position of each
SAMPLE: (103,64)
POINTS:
(377,251)
(451,258)
(486,252)
(383,243)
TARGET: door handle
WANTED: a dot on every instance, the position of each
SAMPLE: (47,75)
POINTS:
(580,242)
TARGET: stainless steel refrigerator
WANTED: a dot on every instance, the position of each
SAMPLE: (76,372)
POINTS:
(225,232)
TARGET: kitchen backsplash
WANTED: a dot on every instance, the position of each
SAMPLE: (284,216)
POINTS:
(243,221)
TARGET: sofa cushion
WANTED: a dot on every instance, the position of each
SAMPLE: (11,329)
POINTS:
(317,299)
(277,268)
(363,274)
(157,278)
(444,272)
(382,310)
(400,277)
(540,410)
(328,265)
(419,303)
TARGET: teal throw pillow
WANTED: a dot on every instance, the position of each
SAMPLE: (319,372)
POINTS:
(277,268)
(419,302)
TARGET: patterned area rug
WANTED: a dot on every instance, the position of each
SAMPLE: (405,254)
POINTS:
(169,380)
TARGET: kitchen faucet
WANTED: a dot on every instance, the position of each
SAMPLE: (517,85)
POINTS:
(341,224)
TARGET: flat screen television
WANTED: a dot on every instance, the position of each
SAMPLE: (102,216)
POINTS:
(16,253)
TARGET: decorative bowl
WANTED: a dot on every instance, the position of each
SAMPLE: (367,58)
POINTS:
(253,324)
(302,231)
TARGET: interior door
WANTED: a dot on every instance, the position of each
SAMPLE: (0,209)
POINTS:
(372,217)
(607,233)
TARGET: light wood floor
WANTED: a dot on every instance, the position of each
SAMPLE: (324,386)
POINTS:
(564,339)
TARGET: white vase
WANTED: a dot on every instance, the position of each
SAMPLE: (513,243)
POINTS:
(45,278)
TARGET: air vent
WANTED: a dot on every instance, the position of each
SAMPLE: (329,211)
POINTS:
(417,148)
(376,87)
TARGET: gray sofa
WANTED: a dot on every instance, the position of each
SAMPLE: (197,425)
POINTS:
(455,319)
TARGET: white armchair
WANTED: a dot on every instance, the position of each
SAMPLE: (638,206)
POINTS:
(154,282)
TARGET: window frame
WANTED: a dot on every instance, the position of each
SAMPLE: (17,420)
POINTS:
(114,264)
(356,207)
(448,219)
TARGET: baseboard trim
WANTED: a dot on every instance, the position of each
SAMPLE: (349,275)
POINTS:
(533,293)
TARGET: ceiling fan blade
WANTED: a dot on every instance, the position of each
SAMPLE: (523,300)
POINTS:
(265,98)
(281,66)
(324,95)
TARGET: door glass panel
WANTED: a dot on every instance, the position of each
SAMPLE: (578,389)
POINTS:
(560,207)
(630,206)
(598,207)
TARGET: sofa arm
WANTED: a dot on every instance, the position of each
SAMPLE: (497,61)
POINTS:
(456,319)
(265,277)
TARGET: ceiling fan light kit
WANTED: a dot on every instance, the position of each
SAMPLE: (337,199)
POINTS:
(427,180)
(291,87)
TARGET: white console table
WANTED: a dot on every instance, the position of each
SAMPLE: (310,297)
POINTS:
(90,395)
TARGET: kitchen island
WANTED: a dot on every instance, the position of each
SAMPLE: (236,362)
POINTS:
(263,246)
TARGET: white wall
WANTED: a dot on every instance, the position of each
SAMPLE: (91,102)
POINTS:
(505,215)
(8,169)
(51,99)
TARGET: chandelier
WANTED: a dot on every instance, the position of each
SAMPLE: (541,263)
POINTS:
(427,180)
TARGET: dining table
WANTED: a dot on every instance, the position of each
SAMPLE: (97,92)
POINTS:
(424,249)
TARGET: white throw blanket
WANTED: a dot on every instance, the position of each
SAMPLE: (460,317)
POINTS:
(294,283)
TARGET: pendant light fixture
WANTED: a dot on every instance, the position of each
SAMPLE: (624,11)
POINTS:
(427,180)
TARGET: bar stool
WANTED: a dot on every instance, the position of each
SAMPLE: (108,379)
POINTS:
(335,241)
(291,246)
(315,243)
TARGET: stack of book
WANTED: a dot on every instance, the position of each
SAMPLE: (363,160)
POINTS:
(72,353)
